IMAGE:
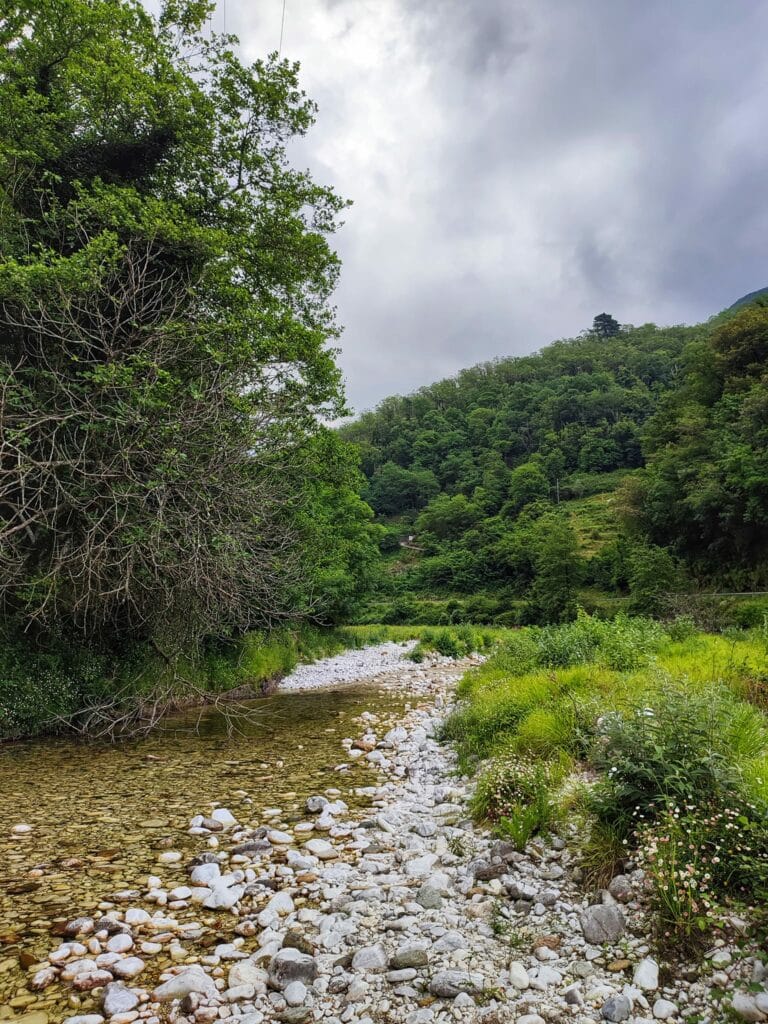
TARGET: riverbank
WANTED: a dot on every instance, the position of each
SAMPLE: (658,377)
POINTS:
(400,911)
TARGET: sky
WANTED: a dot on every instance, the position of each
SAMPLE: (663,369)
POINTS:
(517,166)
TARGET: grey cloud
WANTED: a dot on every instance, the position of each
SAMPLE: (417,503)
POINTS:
(519,165)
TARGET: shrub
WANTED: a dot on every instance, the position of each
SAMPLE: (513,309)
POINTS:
(684,747)
(693,856)
(509,781)
(526,820)
(621,644)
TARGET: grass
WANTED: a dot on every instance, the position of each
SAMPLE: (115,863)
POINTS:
(671,724)
(594,521)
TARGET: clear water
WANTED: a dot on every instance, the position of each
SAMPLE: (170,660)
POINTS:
(101,817)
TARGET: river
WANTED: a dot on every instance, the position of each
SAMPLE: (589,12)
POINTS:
(101,817)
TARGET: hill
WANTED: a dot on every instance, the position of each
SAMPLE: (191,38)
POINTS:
(745,300)
(521,486)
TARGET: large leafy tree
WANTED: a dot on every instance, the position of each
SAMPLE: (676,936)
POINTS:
(164,322)
(705,491)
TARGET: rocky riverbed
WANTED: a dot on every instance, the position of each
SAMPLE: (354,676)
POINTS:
(396,909)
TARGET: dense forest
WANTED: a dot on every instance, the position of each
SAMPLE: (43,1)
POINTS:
(620,467)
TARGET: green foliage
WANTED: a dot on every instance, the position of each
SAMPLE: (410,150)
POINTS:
(393,489)
(527,483)
(706,487)
(605,326)
(694,856)
(457,642)
(679,748)
(484,456)
(50,688)
(509,781)
(165,324)
(557,570)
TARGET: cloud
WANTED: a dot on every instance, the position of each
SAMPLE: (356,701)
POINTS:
(517,166)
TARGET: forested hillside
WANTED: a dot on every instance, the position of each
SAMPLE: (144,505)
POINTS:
(518,488)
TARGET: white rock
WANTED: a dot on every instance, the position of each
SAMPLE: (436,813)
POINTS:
(128,968)
(136,916)
(518,975)
(745,1006)
(120,943)
(278,838)
(373,959)
(192,979)
(420,867)
(206,874)
(646,975)
(281,904)
(663,1009)
(226,817)
(295,993)
(321,848)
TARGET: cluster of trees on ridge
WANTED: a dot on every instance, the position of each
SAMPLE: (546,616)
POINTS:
(491,473)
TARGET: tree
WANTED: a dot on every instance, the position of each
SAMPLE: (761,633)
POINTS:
(653,575)
(394,489)
(448,518)
(705,491)
(164,322)
(604,326)
(527,483)
(557,570)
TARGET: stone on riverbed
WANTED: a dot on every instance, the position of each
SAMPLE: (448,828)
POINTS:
(289,965)
(278,838)
(129,967)
(191,979)
(617,1008)
(295,993)
(646,975)
(224,817)
(321,848)
(315,804)
(603,923)
(372,959)
(448,984)
(409,956)
(116,998)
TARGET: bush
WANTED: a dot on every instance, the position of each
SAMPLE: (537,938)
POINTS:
(683,747)
(693,856)
(507,781)
(621,644)
(516,794)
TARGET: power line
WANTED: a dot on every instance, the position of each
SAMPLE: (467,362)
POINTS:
(282,30)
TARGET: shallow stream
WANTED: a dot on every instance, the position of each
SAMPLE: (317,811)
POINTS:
(101,817)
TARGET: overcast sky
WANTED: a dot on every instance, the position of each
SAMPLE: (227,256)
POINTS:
(517,166)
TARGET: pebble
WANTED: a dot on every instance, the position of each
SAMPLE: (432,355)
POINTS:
(646,975)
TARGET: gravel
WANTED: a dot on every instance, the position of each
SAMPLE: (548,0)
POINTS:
(350,666)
